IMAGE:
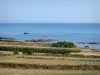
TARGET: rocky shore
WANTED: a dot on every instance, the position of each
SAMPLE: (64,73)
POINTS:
(40,40)
(88,42)
(7,39)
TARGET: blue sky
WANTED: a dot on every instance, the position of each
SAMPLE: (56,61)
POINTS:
(50,11)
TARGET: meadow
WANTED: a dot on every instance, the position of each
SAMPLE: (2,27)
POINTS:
(35,60)
(10,71)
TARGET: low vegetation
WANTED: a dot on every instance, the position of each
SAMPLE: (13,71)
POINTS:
(57,67)
(85,56)
(15,52)
(63,44)
(26,50)
(10,71)
(60,56)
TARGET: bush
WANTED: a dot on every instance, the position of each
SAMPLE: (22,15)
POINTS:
(63,44)
(15,52)
(29,51)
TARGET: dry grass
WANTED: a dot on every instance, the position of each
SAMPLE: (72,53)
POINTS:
(28,44)
(88,53)
(47,60)
(9,71)
(51,60)
(54,67)
(6,52)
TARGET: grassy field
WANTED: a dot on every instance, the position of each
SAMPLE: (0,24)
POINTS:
(49,60)
(29,44)
(11,64)
(9,71)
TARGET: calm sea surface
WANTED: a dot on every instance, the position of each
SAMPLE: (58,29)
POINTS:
(81,32)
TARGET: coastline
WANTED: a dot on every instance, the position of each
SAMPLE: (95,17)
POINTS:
(92,45)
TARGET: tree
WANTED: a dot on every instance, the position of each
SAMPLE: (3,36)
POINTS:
(63,44)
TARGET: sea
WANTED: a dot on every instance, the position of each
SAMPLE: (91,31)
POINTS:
(73,32)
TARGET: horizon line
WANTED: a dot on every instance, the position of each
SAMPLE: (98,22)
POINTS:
(50,22)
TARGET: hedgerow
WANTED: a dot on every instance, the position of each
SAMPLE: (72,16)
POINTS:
(27,50)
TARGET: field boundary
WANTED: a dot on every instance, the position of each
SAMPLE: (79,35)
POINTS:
(56,67)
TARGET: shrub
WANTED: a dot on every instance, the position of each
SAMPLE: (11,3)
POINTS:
(29,51)
(63,44)
(15,52)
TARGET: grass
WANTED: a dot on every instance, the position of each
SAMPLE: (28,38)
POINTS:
(47,61)
(91,64)
(58,58)
(45,66)
(15,43)
(10,71)
(50,60)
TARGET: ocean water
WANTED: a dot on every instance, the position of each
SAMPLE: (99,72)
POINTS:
(74,32)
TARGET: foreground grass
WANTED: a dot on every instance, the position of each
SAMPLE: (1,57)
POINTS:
(50,60)
(47,61)
(54,67)
(10,71)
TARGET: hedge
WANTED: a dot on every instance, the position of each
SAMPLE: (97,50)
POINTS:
(27,50)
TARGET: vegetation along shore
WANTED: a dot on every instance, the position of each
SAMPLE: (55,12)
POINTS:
(63,56)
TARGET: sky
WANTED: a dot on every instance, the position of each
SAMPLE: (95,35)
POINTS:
(49,11)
